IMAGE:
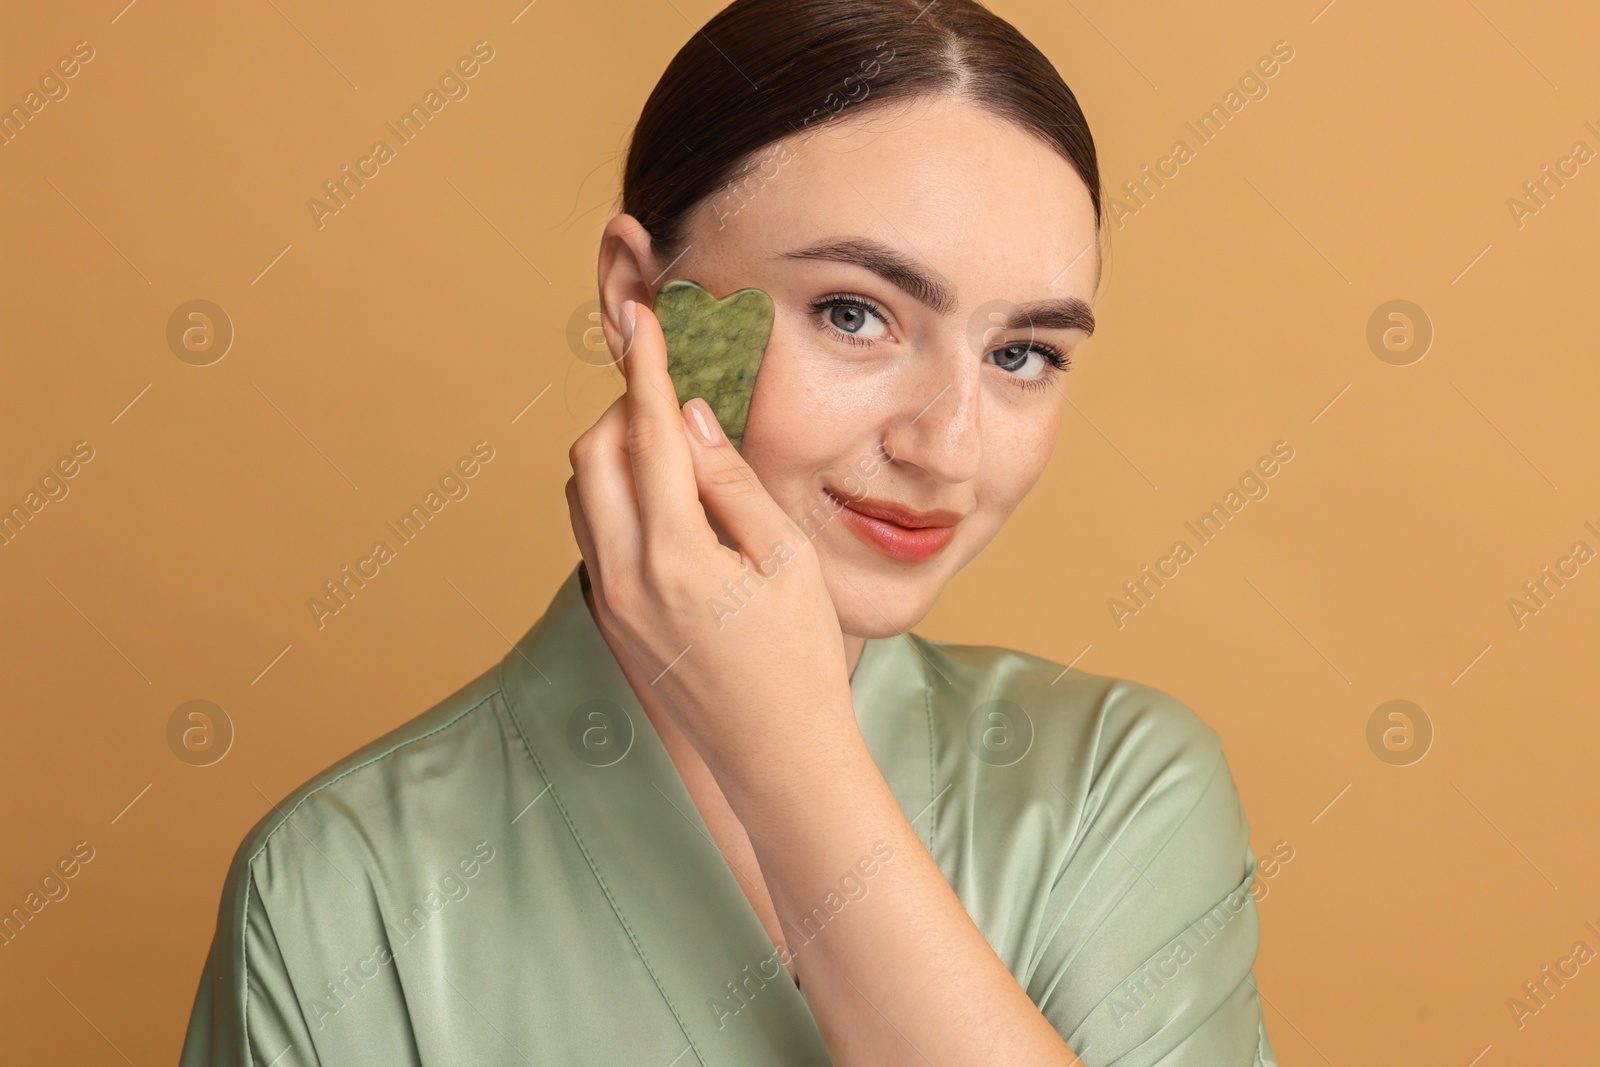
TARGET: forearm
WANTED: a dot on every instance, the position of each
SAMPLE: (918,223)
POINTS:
(893,968)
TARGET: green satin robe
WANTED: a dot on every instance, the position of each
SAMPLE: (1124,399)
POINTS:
(518,875)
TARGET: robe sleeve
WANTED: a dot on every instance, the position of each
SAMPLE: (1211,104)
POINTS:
(246,1011)
(1147,951)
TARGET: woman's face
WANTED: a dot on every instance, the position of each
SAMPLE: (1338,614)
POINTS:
(895,245)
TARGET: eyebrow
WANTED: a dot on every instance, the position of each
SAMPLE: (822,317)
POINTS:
(1066,313)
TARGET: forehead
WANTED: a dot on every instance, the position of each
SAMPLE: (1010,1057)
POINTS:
(979,202)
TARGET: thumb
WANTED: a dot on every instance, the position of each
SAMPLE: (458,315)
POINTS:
(729,488)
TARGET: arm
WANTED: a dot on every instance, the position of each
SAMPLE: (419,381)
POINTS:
(903,975)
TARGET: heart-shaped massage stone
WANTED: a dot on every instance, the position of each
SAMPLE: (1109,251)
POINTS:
(714,347)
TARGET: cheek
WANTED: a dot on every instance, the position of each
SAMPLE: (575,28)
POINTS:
(1017,443)
(803,419)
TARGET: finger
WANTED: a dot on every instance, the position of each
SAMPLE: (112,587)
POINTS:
(603,486)
(730,490)
(663,469)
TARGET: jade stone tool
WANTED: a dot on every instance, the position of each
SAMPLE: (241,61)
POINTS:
(714,347)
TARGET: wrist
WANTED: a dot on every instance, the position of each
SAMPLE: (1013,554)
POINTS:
(799,780)
(775,769)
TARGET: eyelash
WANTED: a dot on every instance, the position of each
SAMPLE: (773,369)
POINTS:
(1057,360)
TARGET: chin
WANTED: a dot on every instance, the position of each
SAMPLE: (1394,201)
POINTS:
(873,605)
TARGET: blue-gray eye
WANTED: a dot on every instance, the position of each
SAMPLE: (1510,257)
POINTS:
(847,317)
(1015,360)
(1012,357)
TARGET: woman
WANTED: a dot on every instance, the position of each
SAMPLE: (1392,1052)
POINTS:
(719,806)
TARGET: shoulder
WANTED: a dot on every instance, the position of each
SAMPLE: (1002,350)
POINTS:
(309,887)
(1103,723)
(379,809)
(1119,756)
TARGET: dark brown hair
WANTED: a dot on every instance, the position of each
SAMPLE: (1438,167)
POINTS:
(763,69)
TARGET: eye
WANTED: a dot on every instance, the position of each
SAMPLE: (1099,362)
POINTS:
(849,318)
(1032,363)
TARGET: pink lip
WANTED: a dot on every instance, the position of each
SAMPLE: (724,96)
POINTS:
(898,532)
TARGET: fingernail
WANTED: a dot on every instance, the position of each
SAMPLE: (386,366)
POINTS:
(708,434)
(627,321)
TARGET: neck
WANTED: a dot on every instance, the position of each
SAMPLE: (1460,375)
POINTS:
(852,653)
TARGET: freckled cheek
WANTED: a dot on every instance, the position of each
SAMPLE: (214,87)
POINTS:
(1015,455)
(805,417)
(804,378)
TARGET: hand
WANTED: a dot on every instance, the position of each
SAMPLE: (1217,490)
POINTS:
(738,644)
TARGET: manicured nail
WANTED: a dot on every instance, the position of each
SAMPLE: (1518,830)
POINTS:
(627,322)
(710,432)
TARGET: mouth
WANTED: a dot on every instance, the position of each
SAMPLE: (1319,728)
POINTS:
(895,530)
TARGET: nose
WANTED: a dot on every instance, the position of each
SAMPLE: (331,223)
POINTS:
(936,427)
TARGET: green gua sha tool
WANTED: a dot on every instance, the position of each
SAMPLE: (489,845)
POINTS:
(714,347)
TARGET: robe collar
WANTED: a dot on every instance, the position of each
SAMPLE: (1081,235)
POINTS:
(612,781)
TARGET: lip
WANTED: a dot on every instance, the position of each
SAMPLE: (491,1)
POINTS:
(897,531)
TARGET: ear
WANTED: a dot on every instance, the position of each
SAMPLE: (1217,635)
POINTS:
(627,265)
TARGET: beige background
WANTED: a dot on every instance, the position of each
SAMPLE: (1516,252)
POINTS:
(372,352)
